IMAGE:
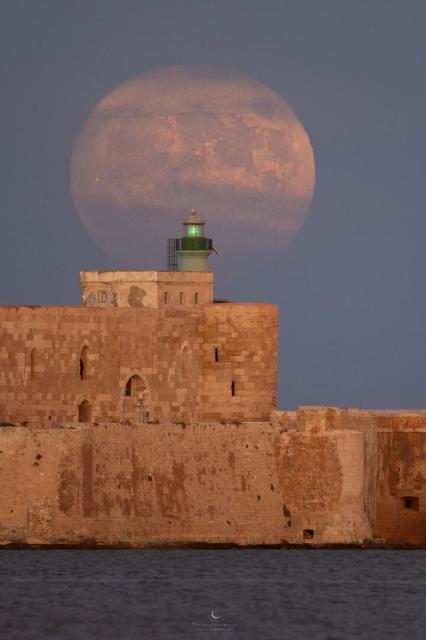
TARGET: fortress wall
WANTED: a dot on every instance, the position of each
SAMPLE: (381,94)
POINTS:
(401,481)
(167,484)
(170,349)
(365,422)
(395,453)
(394,465)
(246,339)
(121,342)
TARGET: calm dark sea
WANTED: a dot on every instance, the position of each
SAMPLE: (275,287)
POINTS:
(257,594)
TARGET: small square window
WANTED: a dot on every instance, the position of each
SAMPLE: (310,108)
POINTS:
(410,502)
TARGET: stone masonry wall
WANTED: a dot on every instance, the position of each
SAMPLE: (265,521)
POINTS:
(144,485)
(316,476)
(169,350)
(240,357)
(401,477)
(394,466)
(145,289)
(395,471)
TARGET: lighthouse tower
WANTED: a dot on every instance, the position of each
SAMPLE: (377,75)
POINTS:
(191,252)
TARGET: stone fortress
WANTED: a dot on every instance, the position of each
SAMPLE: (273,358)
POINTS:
(147,417)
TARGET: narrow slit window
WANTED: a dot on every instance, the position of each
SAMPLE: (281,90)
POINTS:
(195,298)
(182,297)
(166,297)
(216,354)
(232,388)
(84,363)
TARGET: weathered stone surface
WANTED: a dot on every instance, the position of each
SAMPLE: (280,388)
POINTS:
(169,484)
(43,378)
(401,469)
(344,480)
(147,417)
(394,471)
(148,289)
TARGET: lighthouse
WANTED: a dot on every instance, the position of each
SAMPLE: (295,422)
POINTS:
(191,252)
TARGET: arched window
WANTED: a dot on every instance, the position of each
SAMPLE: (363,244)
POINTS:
(84,411)
(84,363)
(136,400)
(134,387)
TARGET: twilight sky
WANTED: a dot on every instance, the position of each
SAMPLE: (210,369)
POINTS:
(351,287)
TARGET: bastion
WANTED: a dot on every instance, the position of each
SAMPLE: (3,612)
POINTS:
(147,417)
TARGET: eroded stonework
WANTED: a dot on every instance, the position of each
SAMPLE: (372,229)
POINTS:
(147,417)
(248,484)
(213,362)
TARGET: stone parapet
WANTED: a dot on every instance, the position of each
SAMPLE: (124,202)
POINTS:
(145,289)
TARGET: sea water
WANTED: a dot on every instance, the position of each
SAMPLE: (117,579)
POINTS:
(252,594)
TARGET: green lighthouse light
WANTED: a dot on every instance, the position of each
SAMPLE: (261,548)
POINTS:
(192,249)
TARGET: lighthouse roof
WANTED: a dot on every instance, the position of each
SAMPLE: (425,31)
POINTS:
(193,218)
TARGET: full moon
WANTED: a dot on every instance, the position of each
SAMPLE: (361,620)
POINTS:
(187,137)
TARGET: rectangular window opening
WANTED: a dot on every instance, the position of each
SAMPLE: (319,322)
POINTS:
(410,502)
(182,297)
(166,297)
(232,388)
(216,354)
(195,298)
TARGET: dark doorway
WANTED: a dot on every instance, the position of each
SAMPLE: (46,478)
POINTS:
(135,406)
(134,387)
